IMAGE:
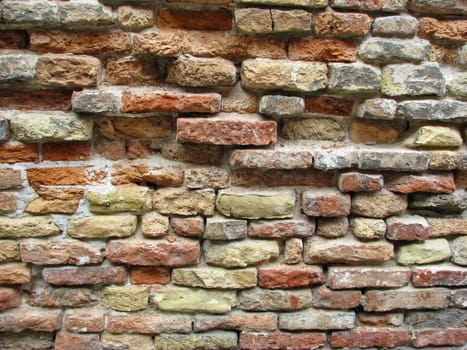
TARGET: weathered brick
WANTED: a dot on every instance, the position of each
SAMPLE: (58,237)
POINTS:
(26,340)
(332,227)
(100,226)
(131,71)
(237,100)
(9,251)
(424,252)
(293,251)
(154,253)
(452,203)
(288,3)
(437,6)
(30,319)
(8,202)
(325,298)
(39,226)
(194,20)
(281,228)
(378,5)
(63,176)
(276,341)
(360,182)
(188,227)
(367,229)
(170,102)
(134,19)
(16,152)
(445,160)
(59,253)
(122,198)
(154,225)
(443,227)
(84,14)
(253,20)
(434,137)
(342,25)
(67,151)
(25,14)
(434,183)
(12,39)
(55,100)
(375,131)
(442,275)
(370,319)
(4,129)
(319,129)
(300,177)
(131,341)
(44,296)
(225,229)
(272,159)
(458,86)
(324,50)
(94,101)
(9,298)
(126,298)
(406,299)
(447,318)
(431,110)
(367,277)
(443,31)
(328,106)
(76,276)
(346,251)
(53,201)
(395,26)
(192,153)
(15,273)
(382,50)
(17,67)
(459,250)
(378,204)
(124,173)
(367,338)
(311,319)
(246,177)
(325,203)
(148,324)
(236,320)
(208,340)
(65,341)
(437,337)
(407,228)
(458,298)
(84,321)
(378,108)
(289,277)
(291,21)
(149,275)
(267,74)
(279,107)
(211,277)
(274,300)
(182,202)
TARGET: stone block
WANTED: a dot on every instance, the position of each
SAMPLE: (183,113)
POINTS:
(424,252)
(274,300)
(213,277)
(225,229)
(406,299)
(315,319)
(367,277)
(378,5)
(407,228)
(122,198)
(445,110)
(378,108)
(33,226)
(354,78)
(221,340)
(325,203)
(395,26)
(341,25)
(78,276)
(181,202)
(382,50)
(313,129)
(434,137)
(134,19)
(367,229)
(379,204)
(100,226)
(278,107)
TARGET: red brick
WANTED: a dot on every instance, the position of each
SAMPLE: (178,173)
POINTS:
(328,105)
(326,298)
(407,228)
(44,296)
(458,298)
(226,132)
(10,179)
(84,322)
(65,341)
(359,182)
(380,320)
(28,319)
(367,277)
(14,273)
(279,341)
(291,277)
(76,276)
(324,50)
(84,42)
(281,228)
(138,149)
(439,276)
(367,338)
(246,177)
(440,337)
(343,25)
(149,275)
(148,324)
(9,298)
(170,102)
(298,177)
(56,100)
(16,152)
(195,20)
(145,128)
(10,39)
(113,150)
(82,175)
(325,203)
(434,183)
(67,151)
(161,43)
(131,71)
(188,227)
(8,202)
(453,31)
(124,173)
(153,253)
(240,321)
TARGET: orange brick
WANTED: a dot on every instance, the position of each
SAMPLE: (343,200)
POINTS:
(149,275)
(10,39)
(15,152)
(329,105)
(64,176)
(131,71)
(454,31)
(195,20)
(342,25)
(326,50)
(67,151)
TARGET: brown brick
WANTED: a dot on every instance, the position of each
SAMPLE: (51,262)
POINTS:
(325,203)
(138,149)
(407,299)
(289,277)
(207,177)
(325,298)
(407,228)
(9,298)
(113,150)
(368,319)
(45,296)
(278,341)
(83,42)
(226,131)
(149,275)
(439,276)
(324,50)
(29,319)
(359,182)
(195,20)
(342,25)
(170,102)
(148,324)
(55,201)
(16,152)
(375,132)
(81,175)
(8,202)
(76,276)
(281,228)
(10,179)
(453,31)
(328,105)
(188,227)
(65,341)
(367,277)
(440,337)
(192,153)
(9,251)
(67,151)
(298,177)
(84,321)
(11,39)
(131,71)
(14,273)
(56,100)
(271,159)
(246,177)
(162,43)
(125,173)
(154,253)
(367,338)
(246,322)
(434,183)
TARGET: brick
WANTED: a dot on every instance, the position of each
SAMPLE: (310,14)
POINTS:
(4,129)
(246,177)
(367,277)
(437,7)
(256,205)
(407,228)
(443,31)
(225,229)
(281,228)
(291,21)
(382,50)
(154,253)
(134,19)
(122,198)
(126,298)
(9,251)
(75,15)
(125,173)
(44,296)
(444,160)
(434,137)
(434,183)
(288,3)
(367,229)
(293,251)
(379,204)
(237,100)
(289,277)
(170,102)
(458,298)
(375,132)
(94,101)
(188,227)
(12,39)
(369,319)
(56,100)
(300,177)
(67,151)
(65,341)
(274,300)
(423,252)
(185,203)
(131,71)
(458,87)
(163,43)
(64,176)
(39,226)
(82,42)
(59,253)
(9,298)
(439,276)
(360,182)
(213,340)
(208,177)
(406,299)
(25,340)
(332,227)
(315,319)
(8,202)
(138,149)
(342,25)
(325,298)
(393,160)
(84,321)
(459,250)
(378,5)
(16,152)
(447,318)
(29,319)
(431,110)
(240,253)
(318,129)
(324,50)
(67,71)
(377,108)
(102,226)
(452,203)
(327,105)
(236,320)
(148,324)
(443,227)
(279,107)
(253,20)
(354,78)
(325,203)
(212,277)
(367,338)
(346,251)
(77,276)
(437,337)
(195,20)
(154,225)
(132,341)
(149,275)
(17,67)
(308,340)
(267,74)
(192,153)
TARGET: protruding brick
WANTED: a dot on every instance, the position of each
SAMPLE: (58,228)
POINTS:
(382,50)
(434,137)
(131,71)
(76,276)
(94,101)
(211,277)
(237,320)
(440,7)
(354,78)
(325,203)
(53,201)
(30,319)
(324,50)
(442,275)
(406,299)
(393,160)
(39,226)
(17,67)
(134,19)
(371,337)
(276,341)
(434,183)
(225,229)
(444,110)
(359,182)
(311,319)
(379,204)
(342,25)
(443,31)
(279,107)
(367,277)
(367,229)
(186,203)
(407,228)
(194,20)
(274,300)
(289,277)
(452,203)
(148,324)
(424,252)
(15,273)
(332,227)
(378,108)
(378,5)
(281,228)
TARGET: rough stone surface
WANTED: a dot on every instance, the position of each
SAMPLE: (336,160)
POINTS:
(431,110)
(325,298)
(9,251)
(433,183)
(425,252)
(325,203)
(407,228)
(215,278)
(272,159)
(458,86)
(40,226)
(281,106)
(381,50)
(274,300)
(172,201)
(281,228)
(341,25)
(102,226)
(354,78)
(225,229)
(126,298)
(154,225)
(236,320)
(326,50)
(359,182)
(378,108)
(290,277)
(332,227)
(459,251)
(393,160)
(50,201)
(134,19)
(317,319)
(443,227)
(313,129)
(371,337)
(221,340)
(395,26)
(452,203)
(367,229)
(379,204)
(17,67)
(147,323)
(367,277)
(123,198)
(434,137)
(408,299)
(77,276)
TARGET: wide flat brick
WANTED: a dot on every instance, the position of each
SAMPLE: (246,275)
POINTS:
(67,151)
(56,100)
(370,319)
(328,105)
(274,299)
(378,204)
(439,276)
(65,341)
(148,324)
(290,277)
(271,159)
(443,227)
(433,183)
(324,50)
(30,319)
(377,5)
(342,25)
(360,182)
(28,226)
(367,338)
(393,160)
(16,152)
(453,31)
(183,202)
(84,321)
(298,177)
(438,7)
(212,277)
(277,341)
(236,320)
(62,176)
(226,131)
(195,20)
(325,203)
(325,298)
(281,228)
(407,299)
(316,319)
(367,277)
(440,337)
(45,296)
(76,276)
(214,340)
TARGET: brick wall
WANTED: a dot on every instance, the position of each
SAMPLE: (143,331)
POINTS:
(211,174)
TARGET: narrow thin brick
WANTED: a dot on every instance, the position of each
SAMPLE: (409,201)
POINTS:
(324,50)
(439,276)
(148,324)
(291,277)
(277,341)
(75,276)
(407,299)
(440,337)
(29,319)
(367,277)
(16,152)
(367,338)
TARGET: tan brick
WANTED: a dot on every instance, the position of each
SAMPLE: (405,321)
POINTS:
(15,273)
(208,177)
(28,226)
(185,203)
(8,202)
(126,298)
(148,324)
(443,227)
(9,298)
(30,319)
(324,50)
(407,299)
(102,226)
(454,31)
(342,25)
(121,198)
(55,201)
(135,18)
(9,251)
(131,71)
(302,341)
(317,129)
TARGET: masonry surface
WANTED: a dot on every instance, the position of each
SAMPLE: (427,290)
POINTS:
(219,174)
